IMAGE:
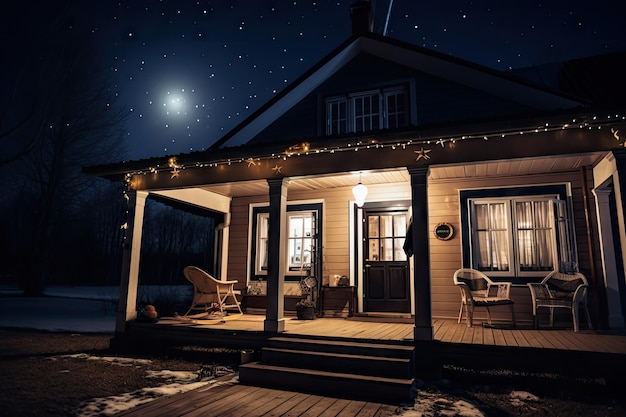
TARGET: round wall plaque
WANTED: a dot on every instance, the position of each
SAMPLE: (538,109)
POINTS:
(444,231)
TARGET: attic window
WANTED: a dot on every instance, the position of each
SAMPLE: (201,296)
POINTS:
(367,111)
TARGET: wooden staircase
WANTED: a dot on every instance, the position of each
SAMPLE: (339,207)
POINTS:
(351,369)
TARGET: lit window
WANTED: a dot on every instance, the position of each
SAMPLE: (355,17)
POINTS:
(302,240)
(521,236)
(301,226)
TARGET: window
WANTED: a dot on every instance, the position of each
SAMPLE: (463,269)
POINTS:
(519,236)
(303,236)
(262,226)
(367,111)
(301,231)
(385,236)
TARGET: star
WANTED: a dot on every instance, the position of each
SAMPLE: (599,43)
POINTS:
(422,153)
(277,169)
(175,173)
(251,162)
(615,133)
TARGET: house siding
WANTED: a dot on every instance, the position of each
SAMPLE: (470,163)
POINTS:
(445,256)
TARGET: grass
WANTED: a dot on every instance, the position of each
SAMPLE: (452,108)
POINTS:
(37,380)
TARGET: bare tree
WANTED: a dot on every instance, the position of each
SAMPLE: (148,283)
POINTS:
(59,119)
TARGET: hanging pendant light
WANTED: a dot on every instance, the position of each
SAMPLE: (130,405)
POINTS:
(360,192)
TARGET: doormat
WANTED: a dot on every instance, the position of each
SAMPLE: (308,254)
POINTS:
(388,319)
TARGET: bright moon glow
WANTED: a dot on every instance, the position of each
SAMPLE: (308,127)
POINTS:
(174,103)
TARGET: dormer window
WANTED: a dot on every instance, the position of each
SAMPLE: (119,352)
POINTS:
(367,111)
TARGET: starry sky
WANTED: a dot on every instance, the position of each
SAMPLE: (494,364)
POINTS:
(188,71)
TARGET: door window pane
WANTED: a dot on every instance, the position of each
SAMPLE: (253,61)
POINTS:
(386,236)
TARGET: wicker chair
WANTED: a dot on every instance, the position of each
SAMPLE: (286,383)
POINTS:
(208,291)
(561,290)
(476,291)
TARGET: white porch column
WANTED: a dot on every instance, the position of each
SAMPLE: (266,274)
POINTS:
(127,305)
(423,330)
(609,261)
(277,244)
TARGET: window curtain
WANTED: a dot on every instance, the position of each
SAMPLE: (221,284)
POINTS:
(534,235)
(492,236)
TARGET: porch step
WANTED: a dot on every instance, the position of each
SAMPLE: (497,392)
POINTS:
(343,346)
(340,362)
(339,368)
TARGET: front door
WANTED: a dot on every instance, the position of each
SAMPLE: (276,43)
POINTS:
(386,274)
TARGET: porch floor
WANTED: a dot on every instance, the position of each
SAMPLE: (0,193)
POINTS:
(445,331)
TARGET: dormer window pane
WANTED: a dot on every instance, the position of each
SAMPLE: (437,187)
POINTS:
(367,111)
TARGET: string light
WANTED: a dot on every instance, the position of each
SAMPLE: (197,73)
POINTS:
(304,149)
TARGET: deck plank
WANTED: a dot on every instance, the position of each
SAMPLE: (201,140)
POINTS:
(303,406)
(336,408)
(223,404)
(284,407)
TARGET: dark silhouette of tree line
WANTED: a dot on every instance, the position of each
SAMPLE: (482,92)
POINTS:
(57,115)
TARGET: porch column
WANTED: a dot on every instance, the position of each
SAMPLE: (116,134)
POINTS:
(276,238)
(127,305)
(423,330)
(609,262)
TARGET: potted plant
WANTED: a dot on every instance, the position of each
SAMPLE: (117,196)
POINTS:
(305,309)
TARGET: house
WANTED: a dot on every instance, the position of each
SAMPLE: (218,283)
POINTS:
(490,171)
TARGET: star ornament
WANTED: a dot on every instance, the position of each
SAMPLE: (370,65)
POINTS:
(175,173)
(422,153)
(277,169)
(251,162)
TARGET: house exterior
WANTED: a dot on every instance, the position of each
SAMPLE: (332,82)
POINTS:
(489,171)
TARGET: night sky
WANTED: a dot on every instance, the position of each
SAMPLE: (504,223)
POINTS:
(189,71)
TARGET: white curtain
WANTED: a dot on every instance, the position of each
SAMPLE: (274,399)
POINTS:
(492,236)
(534,235)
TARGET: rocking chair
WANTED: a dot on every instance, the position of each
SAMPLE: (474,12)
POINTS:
(208,291)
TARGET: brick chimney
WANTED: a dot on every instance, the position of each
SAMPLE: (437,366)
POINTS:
(362,17)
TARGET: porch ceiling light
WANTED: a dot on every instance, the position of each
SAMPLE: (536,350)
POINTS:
(360,192)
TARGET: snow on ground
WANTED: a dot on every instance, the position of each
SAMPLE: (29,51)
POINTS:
(168,383)
(92,309)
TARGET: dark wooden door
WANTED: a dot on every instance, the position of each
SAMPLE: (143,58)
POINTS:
(386,276)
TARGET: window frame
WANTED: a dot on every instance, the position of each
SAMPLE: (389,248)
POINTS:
(377,116)
(512,230)
(257,272)
(557,191)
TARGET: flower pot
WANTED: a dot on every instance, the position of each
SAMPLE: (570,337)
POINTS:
(306,313)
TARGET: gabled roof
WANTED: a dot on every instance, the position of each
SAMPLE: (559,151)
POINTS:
(452,69)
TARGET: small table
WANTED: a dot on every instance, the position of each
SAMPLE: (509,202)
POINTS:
(333,300)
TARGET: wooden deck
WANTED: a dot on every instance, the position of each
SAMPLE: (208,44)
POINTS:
(234,400)
(445,331)
(559,350)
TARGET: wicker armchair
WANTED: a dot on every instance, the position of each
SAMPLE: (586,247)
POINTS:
(561,290)
(476,291)
(209,291)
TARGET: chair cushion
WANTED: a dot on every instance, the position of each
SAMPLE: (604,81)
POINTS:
(560,285)
(491,301)
(477,284)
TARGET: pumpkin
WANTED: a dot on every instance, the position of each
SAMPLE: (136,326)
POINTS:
(150,311)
